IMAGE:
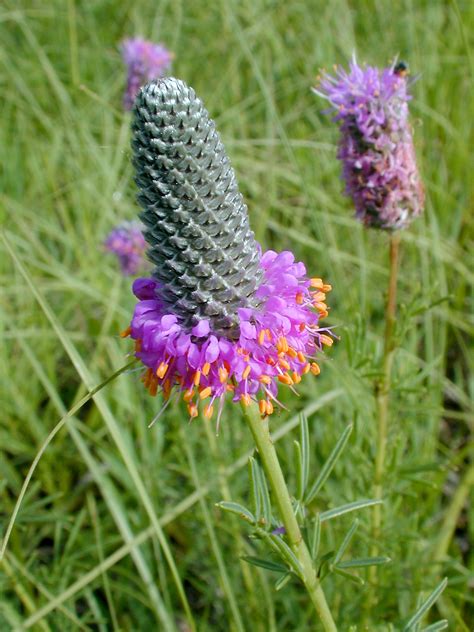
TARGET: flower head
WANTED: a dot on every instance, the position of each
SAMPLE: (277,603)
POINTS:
(127,242)
(216,315)
(145,61)
(376,143)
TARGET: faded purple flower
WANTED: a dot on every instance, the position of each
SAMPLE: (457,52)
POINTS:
(376,143)
(145,61)
(276,345)
(126,241)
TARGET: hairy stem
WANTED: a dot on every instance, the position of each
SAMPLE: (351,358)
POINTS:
(261,434)
(383,393)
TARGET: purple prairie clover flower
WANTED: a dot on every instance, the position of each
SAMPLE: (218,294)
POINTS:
(376,144)
(216,316)
(145,61)
(126,241)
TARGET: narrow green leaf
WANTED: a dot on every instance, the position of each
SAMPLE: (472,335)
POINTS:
(329,464)
(287,553)
(363,562)
(269,565)
(254,488)
(316,537)
(425,606)
(436,627)
(238,509)
(323,563)
(343,509)
(353,578)
(298,456)
(282,582)
(305,450)
(345,543)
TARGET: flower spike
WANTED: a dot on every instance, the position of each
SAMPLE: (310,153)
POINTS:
(216,316)
(376,144)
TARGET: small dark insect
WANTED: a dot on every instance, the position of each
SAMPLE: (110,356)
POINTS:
(401,69)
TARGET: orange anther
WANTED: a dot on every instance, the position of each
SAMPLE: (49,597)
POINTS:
(291,352)
(302,327)
(126,332)
(192,410)
(188,395)
(323,314)
(296,377)
(301,356)
(299,298)
(166,389)
(261,337)
(227,366)
(197,378)
(265,379)
(208,410)
(284,364)
(316,283)
(321,307)
(205,392)
(262,406)
(326,340)
(161,370)
(230,388)
(319,296)
(285,379)
(245,399)
(306,368)
(270,361)
(269,407)
(138,345)
(206,368)
(327,287)
(246,373)
(153,388)
(223,375)
(315,370)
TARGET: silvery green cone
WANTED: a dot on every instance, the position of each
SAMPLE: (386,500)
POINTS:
(196,221)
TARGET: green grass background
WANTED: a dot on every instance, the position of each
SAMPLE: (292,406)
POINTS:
(118,520)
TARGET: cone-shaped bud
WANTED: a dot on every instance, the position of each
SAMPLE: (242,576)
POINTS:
(196,223)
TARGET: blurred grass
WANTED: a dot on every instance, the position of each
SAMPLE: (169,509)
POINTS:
(86,551)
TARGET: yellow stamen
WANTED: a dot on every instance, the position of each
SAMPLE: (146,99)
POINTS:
(205,392)
(265,379)
(161,370)
(326,340)
(245,399)
(291,352)
(296,377)
(269,335)
(306,369)
(230,388)
(299,298)
(269,407)
(208,410)
(321,307)
(285,379)
(327,287)
(315,370)
(261,337)
(316,283)
(188,395)
(246,373)
(319,296)
(192,410)
(262,406)
(223,375)
(206,368)
(284,364)
(126,332)
(301,356)
(197,378)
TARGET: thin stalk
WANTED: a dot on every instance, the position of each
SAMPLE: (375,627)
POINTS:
(383,394)
(261,434)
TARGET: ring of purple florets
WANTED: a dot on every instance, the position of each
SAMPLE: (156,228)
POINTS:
(276,346)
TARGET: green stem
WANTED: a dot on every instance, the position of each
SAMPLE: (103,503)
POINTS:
(261,434)
(383,392)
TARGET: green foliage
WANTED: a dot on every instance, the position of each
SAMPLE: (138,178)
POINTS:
(115,527)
